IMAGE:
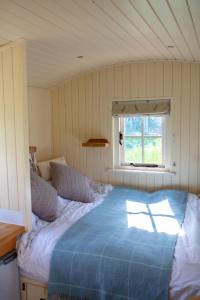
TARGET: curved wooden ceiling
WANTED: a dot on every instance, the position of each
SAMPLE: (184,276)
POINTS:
(102,31)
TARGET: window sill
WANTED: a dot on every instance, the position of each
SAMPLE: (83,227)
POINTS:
(144,170)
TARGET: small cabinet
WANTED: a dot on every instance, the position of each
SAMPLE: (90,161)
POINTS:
(36,292)
(30,290)
(9,277)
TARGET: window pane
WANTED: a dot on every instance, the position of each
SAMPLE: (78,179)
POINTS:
(133,126)
(153,126)
(153,150)
(133,149)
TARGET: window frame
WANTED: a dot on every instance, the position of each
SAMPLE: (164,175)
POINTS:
(122,155)
(118,152)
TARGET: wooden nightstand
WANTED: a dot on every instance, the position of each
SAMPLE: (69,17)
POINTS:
(8,237)
(9,278)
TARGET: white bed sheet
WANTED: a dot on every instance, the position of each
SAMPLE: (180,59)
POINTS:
(35,248)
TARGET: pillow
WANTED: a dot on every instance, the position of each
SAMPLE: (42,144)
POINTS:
(70,184)
(44,167)
(44,198)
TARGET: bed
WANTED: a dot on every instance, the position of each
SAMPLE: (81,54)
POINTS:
(174,219)
(35,247)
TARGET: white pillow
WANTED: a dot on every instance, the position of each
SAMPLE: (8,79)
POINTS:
(45,169)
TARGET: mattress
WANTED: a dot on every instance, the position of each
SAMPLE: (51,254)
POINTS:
(35,247)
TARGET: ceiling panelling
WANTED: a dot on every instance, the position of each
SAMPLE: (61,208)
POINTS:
(104,32)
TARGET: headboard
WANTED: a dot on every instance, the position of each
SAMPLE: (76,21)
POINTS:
(32,158)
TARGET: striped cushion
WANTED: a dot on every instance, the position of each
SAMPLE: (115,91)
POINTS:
(70,184)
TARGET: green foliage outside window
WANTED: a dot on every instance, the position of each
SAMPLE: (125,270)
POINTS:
(143,132)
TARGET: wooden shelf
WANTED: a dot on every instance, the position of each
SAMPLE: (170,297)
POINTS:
(96,143)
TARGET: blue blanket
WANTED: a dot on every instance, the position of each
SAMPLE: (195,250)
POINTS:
(123,249)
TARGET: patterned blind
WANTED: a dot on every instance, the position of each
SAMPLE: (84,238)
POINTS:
(141,107)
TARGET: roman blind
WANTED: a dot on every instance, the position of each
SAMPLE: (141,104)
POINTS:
(141,107)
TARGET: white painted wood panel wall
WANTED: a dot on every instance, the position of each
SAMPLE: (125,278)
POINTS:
(40,131)
(81,109)
(14,164)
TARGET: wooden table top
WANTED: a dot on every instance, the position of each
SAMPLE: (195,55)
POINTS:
(8,237)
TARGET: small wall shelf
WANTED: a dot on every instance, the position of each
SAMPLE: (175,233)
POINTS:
(96,143)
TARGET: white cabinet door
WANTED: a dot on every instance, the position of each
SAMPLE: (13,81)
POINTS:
(34,292)
(9,280)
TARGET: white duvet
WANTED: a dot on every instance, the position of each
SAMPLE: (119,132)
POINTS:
(35,248)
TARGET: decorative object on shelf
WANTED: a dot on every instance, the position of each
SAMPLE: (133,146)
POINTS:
(96,143)
(32,158)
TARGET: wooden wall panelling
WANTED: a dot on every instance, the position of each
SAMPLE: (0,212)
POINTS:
(14,163)
(93,93)
(127,95)
(62,118)
(10,128)
(75,123)
(159,92)
(110,31)
(176,123)
(167,92)
(22,131)
(103,123)
(198,160)
(110,96)
(142,93)
(194,128)
(134,93)
(55,123)
(118,94)
(185,122)
(68,121)
(40,121)
(3,158)
(82,120)
(150,90)
(89,120)
(95,124)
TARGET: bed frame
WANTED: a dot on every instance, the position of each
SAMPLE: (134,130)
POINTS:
(33,290)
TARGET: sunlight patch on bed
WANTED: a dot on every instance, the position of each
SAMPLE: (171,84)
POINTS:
(135,207)
(161,207)
(166,225)
(155,217)
(140,221)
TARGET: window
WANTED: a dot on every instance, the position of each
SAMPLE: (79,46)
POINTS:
(141,133)
(141,140)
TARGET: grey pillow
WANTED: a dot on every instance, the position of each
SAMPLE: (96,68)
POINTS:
(70,184)
(44,198)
